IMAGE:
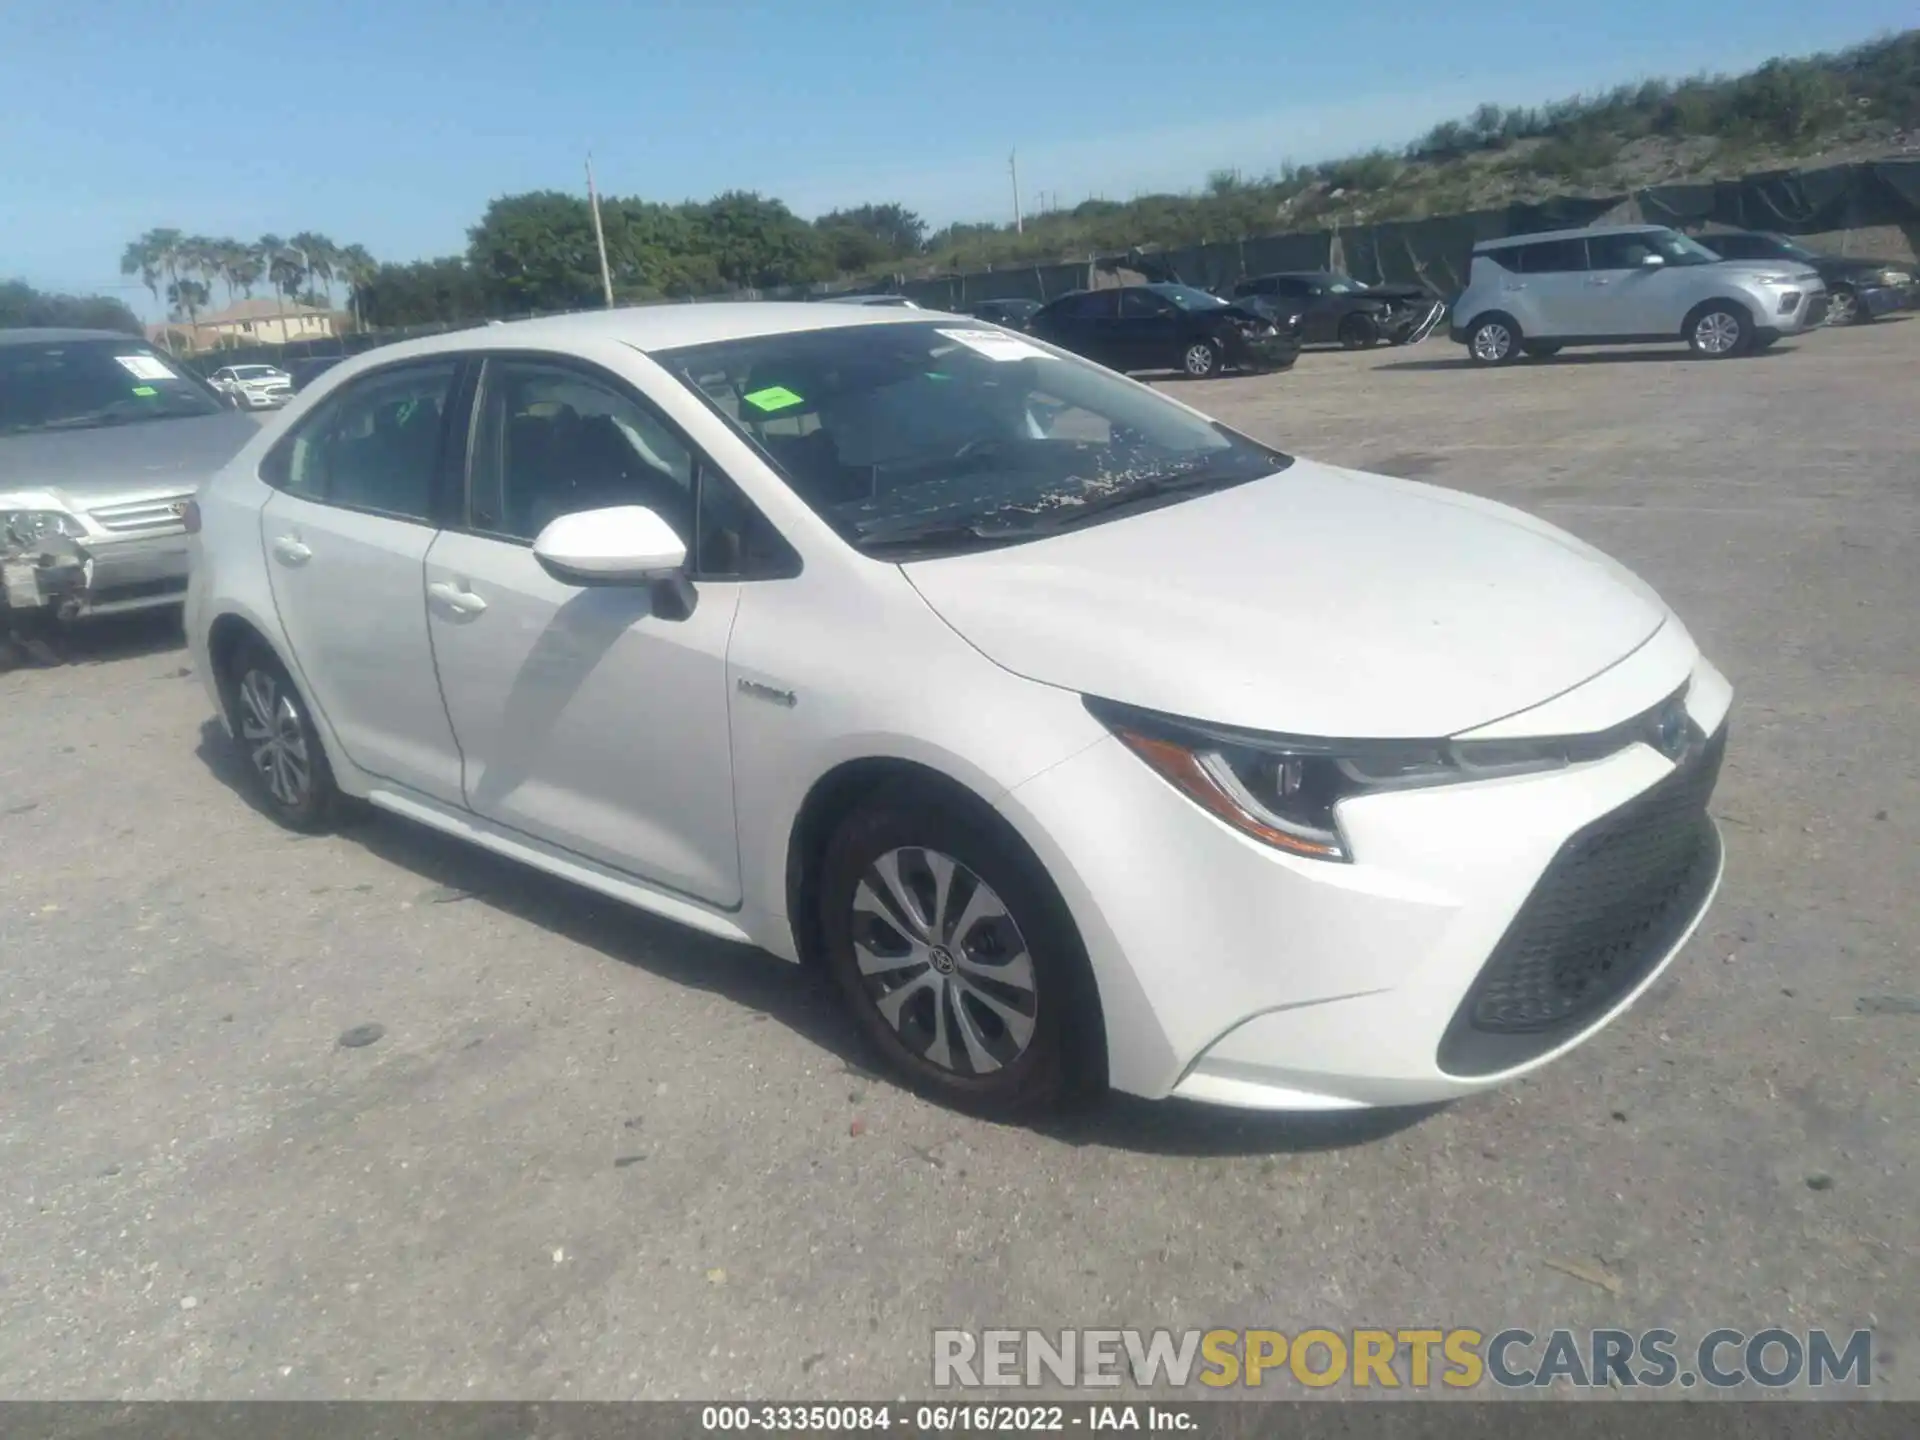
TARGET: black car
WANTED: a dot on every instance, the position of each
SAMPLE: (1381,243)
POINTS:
(1165,327)
(1336,309)
(307,367)
(1014,314)
(1857,289)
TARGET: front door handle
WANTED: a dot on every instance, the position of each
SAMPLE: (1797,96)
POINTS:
(456,597)
(1597,280)
(291,551)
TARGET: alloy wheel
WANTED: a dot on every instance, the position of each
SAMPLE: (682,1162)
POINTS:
(275,739)
(1492,342)
(1200,360)
(944,962)
(1717,333)
(1843,308)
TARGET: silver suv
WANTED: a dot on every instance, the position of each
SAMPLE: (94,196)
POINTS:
(1627,285)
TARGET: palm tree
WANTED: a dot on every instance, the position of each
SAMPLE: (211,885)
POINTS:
(318,254)
(355,266)
(244,268)
(186,297)
(153,257)
(284,269)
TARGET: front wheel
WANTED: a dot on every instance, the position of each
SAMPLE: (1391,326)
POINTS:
(1844,308)
(1358,332)
(290,776)
(955,956)
(1202,359)
(1719,331)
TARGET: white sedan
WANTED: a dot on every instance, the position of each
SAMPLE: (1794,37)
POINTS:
(1083,740)
(257,387)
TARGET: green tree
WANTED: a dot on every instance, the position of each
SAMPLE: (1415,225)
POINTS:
(22,305)
(536,252)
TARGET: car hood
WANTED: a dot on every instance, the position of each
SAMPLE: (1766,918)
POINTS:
(1753,269)
(1318,601)
(112,461)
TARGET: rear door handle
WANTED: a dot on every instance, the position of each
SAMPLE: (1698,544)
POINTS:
(291,551)
(456,598)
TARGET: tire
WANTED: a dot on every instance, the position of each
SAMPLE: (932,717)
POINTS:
(1844,307)
(1540,349)
(1012,1053)
(1495,339)
(286,764)
(1202,359)
(1719,330)
(1358,332)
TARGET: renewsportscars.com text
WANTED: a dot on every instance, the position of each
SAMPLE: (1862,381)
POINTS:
(1413,1359)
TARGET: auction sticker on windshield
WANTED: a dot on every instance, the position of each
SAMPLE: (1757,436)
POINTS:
(145,367)
(995,344)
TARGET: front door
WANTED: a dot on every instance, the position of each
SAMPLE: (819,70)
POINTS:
(595,719)
(346,537)
(1146,336)
(1629,296)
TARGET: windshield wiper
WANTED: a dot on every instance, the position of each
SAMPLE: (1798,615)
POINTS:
(939,534)
(1143,492)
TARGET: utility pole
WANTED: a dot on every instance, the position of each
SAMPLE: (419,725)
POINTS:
(599,235)
(1013,168)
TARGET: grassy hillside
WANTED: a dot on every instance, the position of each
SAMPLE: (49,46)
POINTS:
(1852,105)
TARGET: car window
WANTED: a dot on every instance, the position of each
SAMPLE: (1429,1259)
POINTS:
(1089,305)
(1143,305)
(1550,257)
(889,431)
(1739,247)
(553,440)
(374,446)
(1617,252)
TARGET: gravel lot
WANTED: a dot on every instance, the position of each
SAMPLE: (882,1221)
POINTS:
(593,1156)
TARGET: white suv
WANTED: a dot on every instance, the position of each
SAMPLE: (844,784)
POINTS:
(1080,738)
(1627,285)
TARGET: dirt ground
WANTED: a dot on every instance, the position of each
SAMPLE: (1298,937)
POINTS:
(590,1155)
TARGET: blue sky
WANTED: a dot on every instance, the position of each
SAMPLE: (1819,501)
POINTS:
(393,122)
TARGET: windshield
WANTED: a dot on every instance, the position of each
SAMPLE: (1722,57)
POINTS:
(1188,298)
(255,372)
(1677,249)
(1791,251)
(943,437)
(80,384)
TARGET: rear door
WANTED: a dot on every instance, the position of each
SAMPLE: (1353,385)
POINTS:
(1558,301)
(1081,323)
(360,483)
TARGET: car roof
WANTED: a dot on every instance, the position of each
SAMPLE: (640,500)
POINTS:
(1585,232)
(652,328)
(55,335)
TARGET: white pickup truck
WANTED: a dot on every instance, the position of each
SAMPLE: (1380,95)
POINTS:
(256,387)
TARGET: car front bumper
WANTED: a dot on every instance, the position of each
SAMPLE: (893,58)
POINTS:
(98,575)
(1880,300)
(1263,352)
(1426,969)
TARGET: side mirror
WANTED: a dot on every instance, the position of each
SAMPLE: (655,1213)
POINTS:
(621,545)
(1652,262)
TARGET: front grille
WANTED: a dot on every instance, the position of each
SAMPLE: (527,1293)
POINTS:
(135,516)
(1613,901)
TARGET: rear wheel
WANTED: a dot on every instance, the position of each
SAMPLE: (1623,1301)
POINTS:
(290,775)
(1494,340)
(955,956)
(1202,359)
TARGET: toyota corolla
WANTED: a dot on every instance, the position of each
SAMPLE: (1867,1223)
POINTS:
(1081,739)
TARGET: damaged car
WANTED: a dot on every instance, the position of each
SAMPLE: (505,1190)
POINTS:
(1336,309)
(103,442)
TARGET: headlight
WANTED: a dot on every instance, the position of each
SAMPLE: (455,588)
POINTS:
(1895,277)
(29,527)
(1284,790)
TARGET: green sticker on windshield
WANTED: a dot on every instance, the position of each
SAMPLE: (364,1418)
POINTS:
(774,397)
(145,390)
